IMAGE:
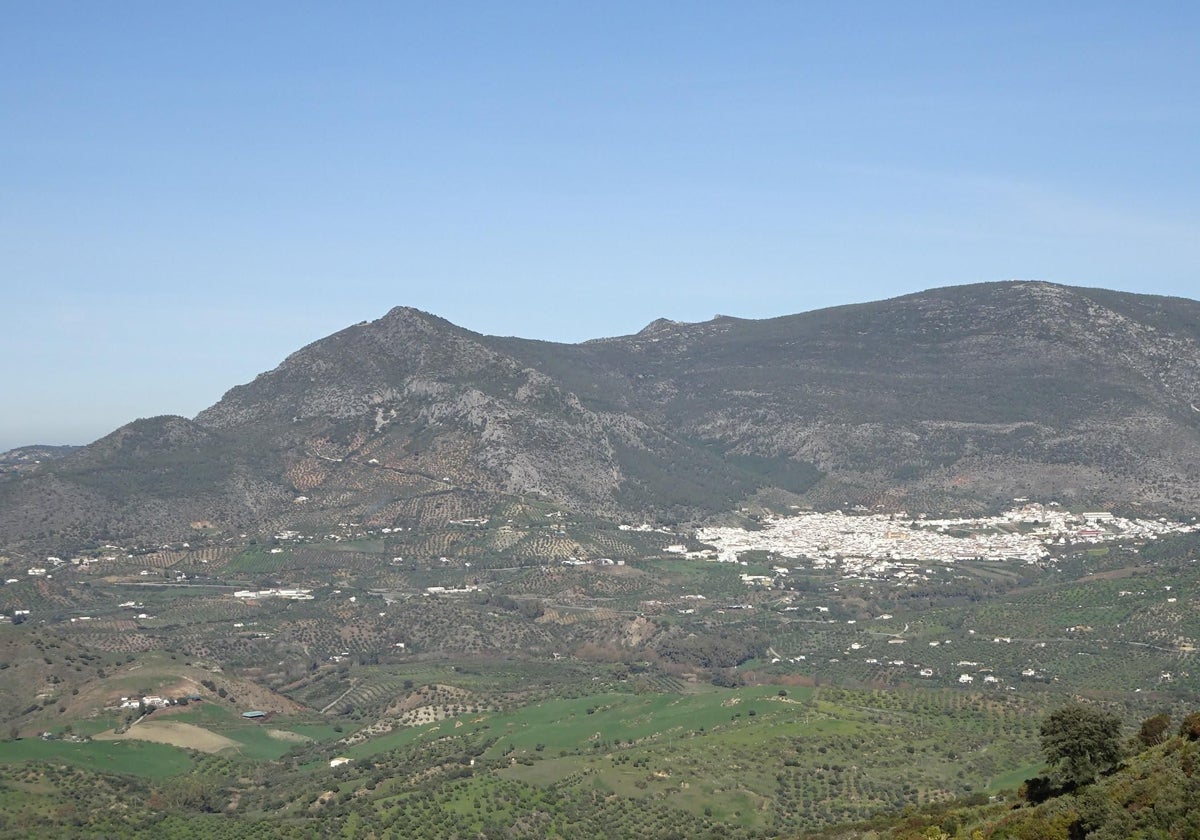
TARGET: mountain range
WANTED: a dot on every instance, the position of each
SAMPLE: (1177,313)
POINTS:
(954,399)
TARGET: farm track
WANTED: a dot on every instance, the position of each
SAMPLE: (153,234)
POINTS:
(340,697)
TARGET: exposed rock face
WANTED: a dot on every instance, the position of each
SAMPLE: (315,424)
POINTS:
(961,397)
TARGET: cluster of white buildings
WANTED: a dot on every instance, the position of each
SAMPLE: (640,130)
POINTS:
(150,701)
(896,545)
(292,594)
(599,561)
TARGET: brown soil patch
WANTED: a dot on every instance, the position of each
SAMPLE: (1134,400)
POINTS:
(639,630)
(174,733)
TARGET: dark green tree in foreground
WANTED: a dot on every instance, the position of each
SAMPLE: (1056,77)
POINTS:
(1080,742)
(1154,730)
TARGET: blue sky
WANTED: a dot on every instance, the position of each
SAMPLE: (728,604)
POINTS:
(191,191)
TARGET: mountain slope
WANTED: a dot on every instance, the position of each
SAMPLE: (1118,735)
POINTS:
(955,398)
(935,399)
(411,405)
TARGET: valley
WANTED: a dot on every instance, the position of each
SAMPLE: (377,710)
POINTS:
(823,575)
(538,668)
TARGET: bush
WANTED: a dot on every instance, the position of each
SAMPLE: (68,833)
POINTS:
(1154,730)
(1190,728)
(1037,790)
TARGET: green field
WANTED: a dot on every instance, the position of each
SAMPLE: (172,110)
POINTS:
(255,738)
(758,756)
(136,758)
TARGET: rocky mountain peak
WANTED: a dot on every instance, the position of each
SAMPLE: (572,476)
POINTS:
(659,326)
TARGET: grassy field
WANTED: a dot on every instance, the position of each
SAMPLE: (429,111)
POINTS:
(136,758)
(261,741)
(761,756)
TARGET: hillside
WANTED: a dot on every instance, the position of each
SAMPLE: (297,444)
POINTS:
(948,397)
(1152,793)
(26,457)
(953,399)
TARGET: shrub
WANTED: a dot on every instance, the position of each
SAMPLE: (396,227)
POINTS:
(1154,730)
(1190,728)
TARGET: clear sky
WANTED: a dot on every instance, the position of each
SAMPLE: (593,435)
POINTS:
(190,191)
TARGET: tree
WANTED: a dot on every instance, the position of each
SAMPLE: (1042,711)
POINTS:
(1154,730)
(1190,728)
(1081,742)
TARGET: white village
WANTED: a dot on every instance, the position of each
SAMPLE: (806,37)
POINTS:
(893,545)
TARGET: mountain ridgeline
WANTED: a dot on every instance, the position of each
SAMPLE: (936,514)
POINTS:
(959,398)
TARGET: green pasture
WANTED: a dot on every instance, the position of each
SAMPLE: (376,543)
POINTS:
(365,545)
(206,714)
(256,743)
(741,755)
(579,723)
(259,560)
(1013,779)
(135,758)
(253,737)
(316,731)
(93,726)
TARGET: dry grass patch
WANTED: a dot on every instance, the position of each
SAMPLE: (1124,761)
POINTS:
(174,733)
